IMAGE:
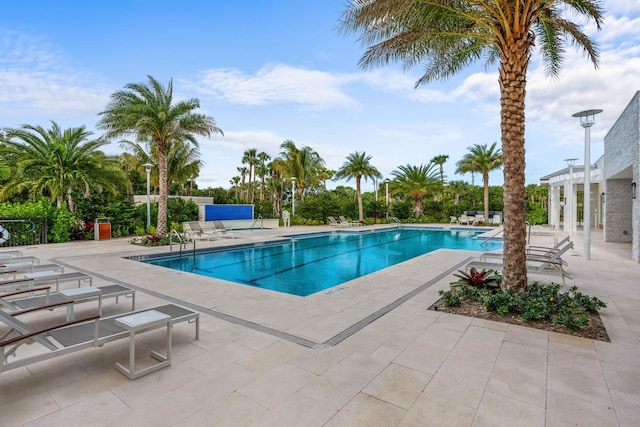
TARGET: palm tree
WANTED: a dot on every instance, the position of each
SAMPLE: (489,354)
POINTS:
(304,164)
(243,173)
(148,112)
(449,35)
(440,160)
(483,160)
(262,170)
(55,162)
(455,187)
(416,181)
(250,158)
(357,166)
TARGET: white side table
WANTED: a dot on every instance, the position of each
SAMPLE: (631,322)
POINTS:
(140,322)
(81,294)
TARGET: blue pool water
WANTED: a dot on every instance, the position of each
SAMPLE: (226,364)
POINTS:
(306,265)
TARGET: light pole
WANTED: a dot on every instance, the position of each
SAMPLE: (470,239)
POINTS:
(147,167)
(569,214)
(386,185)
(587,119)
(293,196)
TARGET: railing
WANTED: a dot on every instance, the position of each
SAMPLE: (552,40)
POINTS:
(394,222)
(486,240)
(259,218)
(181,243)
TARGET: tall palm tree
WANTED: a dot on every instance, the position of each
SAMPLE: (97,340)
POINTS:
(483,160)
(149,113)
(416,181)
(56,161)
(449,35)
(440,160)
(262,171)
(358,166)
(243,173)
(250,157)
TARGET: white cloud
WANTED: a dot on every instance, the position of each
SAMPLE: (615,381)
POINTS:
(278,83)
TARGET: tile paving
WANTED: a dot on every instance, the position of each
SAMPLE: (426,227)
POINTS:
(407,367)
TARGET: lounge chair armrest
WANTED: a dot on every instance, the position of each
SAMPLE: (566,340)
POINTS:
(26,291)
(50,328)
(41,307)
(12,281)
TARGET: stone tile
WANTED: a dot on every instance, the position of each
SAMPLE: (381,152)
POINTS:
(207,390)
(88,386)
(302,409)
(31,408)
(519,383)
(365,410)
(498,411)
(429,351)
(513,355)
(564,410)
(527,336)
(321,360)
(398,385)
(99,409)
(233,410)
(277,385)
(624,386)
(439,412)
(162,410)
(270,357)
(453,321)
(578,376)
(490,324)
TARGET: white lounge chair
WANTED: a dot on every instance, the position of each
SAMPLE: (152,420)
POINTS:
(550,265)
(218,227)
(334,223)
(348,223)
(68,337)
(193,230)
(453,220)
(466,219)
(57,278)
(479,219)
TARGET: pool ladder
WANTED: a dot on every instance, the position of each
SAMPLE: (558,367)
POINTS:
(486,240)
(394,222)
(181,242)
(259,218)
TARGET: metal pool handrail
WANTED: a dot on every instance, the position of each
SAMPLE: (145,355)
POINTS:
(259,218)
(181,242)
(486,240)
(395,221)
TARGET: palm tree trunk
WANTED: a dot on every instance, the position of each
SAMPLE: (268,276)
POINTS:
(161,228)
(359,193)
(512,78)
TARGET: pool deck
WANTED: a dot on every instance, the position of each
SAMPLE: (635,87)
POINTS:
(367,352)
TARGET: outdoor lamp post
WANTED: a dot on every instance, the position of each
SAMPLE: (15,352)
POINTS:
(293,196)
(147,167)
(587,119)
(569,214)
(386,185)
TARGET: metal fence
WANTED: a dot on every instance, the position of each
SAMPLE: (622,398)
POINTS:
(22,231)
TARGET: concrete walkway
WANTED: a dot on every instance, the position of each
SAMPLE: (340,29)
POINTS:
(365,353)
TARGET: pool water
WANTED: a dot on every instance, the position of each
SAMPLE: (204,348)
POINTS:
(307,265)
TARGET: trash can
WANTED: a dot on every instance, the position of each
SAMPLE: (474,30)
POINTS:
(102,229)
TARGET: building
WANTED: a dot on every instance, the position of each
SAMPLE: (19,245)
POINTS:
(614,202)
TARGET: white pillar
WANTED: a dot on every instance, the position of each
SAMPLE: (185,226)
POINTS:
(554,207)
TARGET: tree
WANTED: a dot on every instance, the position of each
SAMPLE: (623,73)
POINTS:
(262,169)
(449,35)
(148,113)
(440,160)
(357,166)
(483,160)
(250,157)
(55,162)
(416,182)
(304,164)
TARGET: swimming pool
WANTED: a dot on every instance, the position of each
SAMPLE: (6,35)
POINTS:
(308,264)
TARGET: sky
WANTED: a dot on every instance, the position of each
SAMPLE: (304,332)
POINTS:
(272,70)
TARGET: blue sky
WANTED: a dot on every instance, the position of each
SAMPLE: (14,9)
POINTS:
(270,70)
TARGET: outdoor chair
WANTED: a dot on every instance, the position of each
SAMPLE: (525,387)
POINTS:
(479,219)
(219,227)
(10,254)
(334,223)
(193,230)
(68,337)
(32,301)
(552,265)
(348,223)
(453,220)
(553,254)
(466,219)
(27,267)
(57,278)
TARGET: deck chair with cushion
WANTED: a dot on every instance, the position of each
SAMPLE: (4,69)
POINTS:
(68,337)
(554,254)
